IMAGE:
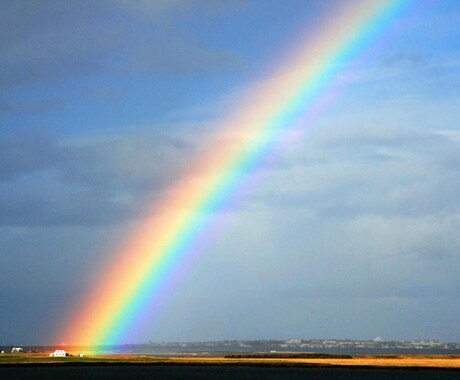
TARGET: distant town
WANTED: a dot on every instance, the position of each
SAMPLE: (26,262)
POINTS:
(309,344)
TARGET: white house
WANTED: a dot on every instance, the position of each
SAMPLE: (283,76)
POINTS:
(59,352)
(17,349)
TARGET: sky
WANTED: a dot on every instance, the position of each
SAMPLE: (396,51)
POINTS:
(351,231)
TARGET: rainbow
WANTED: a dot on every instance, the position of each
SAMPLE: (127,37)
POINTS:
(181,221)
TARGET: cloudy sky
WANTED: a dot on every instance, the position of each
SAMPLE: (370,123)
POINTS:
(351,233)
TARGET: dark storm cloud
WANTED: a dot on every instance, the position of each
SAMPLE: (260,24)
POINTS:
(164,10)
(45,205)
(43,268)
(54,40)
(157,10)
(27,153)
(47,181)
(30,107)
(179,58)
(105,94)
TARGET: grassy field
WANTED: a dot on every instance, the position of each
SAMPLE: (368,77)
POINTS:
(382,361)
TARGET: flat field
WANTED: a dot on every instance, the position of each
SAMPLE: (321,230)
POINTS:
(380,361)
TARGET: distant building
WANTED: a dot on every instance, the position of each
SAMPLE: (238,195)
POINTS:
(17,349)
(293,341)
(59,352)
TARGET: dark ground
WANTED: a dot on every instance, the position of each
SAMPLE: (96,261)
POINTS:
(214,372)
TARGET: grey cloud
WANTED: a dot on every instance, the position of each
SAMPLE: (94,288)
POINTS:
(432,75)
(374,171)
(404,59)
(51,182)
(348,138)
(358,257)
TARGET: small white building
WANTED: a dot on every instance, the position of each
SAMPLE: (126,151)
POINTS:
(17,349)
(59,352)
